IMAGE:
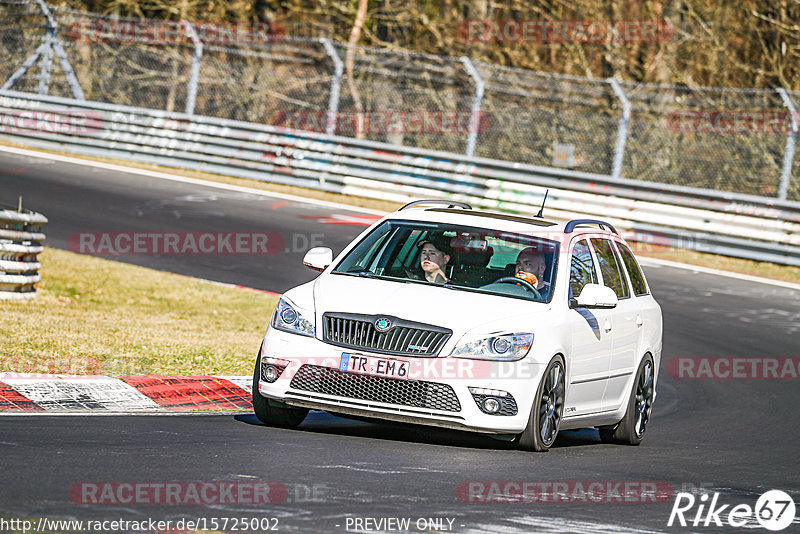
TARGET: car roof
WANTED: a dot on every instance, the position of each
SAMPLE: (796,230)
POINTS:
(502,221)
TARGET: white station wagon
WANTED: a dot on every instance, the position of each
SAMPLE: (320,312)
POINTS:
(439,314)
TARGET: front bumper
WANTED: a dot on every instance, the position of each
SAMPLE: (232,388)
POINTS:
(437,393)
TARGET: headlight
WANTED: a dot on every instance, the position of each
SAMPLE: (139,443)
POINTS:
(501,347)
(288,319)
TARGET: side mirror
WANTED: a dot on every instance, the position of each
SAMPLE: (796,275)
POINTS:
(595,296)
(318,258)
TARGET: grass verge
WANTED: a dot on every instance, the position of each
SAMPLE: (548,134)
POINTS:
(95,316)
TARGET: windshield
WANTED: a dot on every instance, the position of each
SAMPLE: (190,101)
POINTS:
(457,257)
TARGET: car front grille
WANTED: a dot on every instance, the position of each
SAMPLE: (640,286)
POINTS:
(402,338)
(410,393)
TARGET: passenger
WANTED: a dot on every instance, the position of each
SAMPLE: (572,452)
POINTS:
(531,265)
(433,257)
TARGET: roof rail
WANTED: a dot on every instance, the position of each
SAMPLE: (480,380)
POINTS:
(449,203)
(602,224)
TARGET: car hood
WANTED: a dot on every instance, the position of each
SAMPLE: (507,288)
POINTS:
(449,308)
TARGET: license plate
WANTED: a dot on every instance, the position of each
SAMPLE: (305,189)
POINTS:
(370,365)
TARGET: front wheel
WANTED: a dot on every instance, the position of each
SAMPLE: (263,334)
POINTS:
(630,431)
(267,410)
(547,410)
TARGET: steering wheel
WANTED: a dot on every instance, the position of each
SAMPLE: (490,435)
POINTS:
(519,281)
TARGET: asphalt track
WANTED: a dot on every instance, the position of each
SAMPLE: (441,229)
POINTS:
(736,437)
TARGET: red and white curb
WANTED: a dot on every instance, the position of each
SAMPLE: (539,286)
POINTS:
(36,393)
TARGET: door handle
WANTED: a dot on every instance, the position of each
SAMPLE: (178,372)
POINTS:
(639,321)
(607,326)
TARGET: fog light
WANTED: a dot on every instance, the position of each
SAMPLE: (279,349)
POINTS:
(491,405)
(269,374)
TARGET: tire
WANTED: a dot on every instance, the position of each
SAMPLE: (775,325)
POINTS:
(268,411)
(630,431)
(547,409)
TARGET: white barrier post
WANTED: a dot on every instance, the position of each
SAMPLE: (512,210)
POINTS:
(191,89)
(336,86)
(791,139)
(622,132)
(477,101)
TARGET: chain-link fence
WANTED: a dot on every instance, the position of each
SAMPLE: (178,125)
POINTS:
(531,114)
(748,161)
(720,139)
(111,68)
(402,98)
(22,32)
(265,83)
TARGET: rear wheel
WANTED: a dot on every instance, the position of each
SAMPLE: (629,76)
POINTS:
(547,410)
(630,431)
(269,411)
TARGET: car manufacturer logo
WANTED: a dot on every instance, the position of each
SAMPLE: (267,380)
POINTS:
(383,324)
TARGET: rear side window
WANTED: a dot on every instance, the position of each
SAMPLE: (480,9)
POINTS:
(634,271)
(581,271)
(609,266)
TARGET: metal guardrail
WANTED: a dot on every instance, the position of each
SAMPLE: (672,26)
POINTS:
(733,224)
(20,242)
(653,132)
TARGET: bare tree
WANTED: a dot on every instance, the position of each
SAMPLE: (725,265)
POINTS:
(355,35)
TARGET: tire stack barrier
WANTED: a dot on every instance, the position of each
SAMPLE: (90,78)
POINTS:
(20,242)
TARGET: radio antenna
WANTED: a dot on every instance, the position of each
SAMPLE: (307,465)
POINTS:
(541,210)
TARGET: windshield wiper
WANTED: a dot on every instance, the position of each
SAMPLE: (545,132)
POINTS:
(369,274)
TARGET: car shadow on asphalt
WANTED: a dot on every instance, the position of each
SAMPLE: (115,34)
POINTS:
(320,422)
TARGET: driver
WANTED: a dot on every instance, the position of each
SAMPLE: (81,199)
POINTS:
(531,265)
